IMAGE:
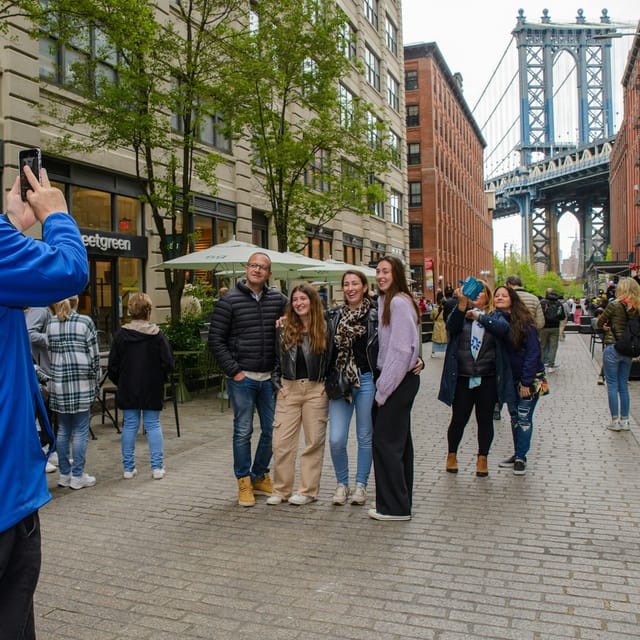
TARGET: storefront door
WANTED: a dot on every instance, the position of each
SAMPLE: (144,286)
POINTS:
(100,299)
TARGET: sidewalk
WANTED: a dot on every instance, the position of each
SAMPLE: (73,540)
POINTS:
(554,554)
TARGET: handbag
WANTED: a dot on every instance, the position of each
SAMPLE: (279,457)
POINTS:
(336,384)
(540,384)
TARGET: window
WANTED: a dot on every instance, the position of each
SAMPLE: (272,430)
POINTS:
(346,106)
(413,115)
(373,130)
(393,92)
(348,40)
(413,153)
(352,252)
(254,19)
(417,275)
(212,133)
(415,236)
(415,194)
(317,176)
(394,146)
(395,207)
(410,80)
(377,207)
(391,34)
(372,68)
(371,12)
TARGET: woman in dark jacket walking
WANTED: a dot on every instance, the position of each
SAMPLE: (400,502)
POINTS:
(526,364)
(139,361)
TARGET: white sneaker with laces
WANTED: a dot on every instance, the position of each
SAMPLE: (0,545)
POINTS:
(624,424)
(80,482)
(299,499)
(341,494)
(614,425)
(64,480)
(158,474)
(383,516)
(128,475)
(274,499)
(50,468)
(360,494)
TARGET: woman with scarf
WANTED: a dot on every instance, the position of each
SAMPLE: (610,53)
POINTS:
(352,353)
(476,371)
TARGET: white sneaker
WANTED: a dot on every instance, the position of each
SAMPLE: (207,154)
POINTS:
(341,494)
(299,499)
(85,480)
(50,468)
(383,516)
(53,458)
(275,499)
(614,425)
(360,494)
(128,475)
(158,474)
(64,480)
(624,424)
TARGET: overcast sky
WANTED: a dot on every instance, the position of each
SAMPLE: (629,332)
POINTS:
(472,37)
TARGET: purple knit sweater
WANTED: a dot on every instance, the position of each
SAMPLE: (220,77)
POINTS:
(398,345)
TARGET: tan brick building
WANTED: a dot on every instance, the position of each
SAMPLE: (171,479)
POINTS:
(450,227)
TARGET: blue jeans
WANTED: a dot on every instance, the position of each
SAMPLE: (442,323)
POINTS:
(246,395)
(616,374)
(73,426)
(521,413)
(130,425)
(340,413)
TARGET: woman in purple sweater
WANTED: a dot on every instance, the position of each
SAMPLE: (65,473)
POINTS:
(396,388)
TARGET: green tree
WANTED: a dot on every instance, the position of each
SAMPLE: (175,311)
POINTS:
(316,150)
(165,88)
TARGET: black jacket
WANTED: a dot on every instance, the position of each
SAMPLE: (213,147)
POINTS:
(242,333)
(285,362)
(138,366)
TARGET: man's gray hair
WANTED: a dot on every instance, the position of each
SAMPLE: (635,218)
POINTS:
(514,281)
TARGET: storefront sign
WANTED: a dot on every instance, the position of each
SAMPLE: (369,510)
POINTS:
(103,243)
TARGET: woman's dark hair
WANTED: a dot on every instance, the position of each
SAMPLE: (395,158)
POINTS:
(521,318)
(398,285)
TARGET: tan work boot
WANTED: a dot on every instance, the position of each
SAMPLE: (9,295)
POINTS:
(263,486)
(245,492)
(452,463)
(482,470)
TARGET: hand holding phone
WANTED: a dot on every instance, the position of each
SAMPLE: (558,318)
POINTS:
(33,158)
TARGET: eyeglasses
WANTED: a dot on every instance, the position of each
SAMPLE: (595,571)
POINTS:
(257,265)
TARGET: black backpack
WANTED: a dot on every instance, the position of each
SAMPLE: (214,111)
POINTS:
(628,344)
(553,311)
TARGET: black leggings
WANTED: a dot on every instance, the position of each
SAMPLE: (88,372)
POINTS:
(484,398)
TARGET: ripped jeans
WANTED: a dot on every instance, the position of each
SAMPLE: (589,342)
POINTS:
(521,412)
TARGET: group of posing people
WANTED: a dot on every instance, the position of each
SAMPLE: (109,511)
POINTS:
(301,367)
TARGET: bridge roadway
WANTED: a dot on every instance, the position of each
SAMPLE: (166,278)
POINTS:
(554,554)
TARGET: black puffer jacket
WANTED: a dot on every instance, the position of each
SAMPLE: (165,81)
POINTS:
(242,334)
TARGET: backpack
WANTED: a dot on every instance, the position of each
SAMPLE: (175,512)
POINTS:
(553,311)
(628,344)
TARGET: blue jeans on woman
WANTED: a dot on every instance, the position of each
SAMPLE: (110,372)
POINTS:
(130,425)
(340,413)
(73,426)
(616,374)
(521,412)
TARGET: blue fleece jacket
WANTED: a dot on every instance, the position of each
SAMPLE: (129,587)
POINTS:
(32,274)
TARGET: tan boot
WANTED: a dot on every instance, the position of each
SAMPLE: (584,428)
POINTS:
(482,470)
(452,463)
(245,492)
(263,486)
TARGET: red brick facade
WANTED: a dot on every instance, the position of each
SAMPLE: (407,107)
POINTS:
(450,225)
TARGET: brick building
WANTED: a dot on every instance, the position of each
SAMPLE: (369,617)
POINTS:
(450,226)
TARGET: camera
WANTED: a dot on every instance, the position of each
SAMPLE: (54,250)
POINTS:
(33,158)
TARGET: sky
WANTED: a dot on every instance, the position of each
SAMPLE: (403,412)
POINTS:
(473,35)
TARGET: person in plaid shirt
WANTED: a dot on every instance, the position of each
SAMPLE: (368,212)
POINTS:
(75,370)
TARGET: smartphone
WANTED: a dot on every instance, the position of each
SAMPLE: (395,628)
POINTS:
(32,157)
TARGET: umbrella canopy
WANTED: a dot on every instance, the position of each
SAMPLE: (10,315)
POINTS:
(332,270)
(233,255)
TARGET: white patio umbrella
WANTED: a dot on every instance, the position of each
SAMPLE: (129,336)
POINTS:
(332,271)
(233,255)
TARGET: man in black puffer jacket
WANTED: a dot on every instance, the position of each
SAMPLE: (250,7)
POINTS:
(242,338)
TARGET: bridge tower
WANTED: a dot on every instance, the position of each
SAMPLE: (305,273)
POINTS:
(538,47)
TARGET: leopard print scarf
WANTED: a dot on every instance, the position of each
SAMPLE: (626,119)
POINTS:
(349,328)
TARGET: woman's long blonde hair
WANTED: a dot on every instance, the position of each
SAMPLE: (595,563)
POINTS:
(628,290)
(63,308)
(293,329)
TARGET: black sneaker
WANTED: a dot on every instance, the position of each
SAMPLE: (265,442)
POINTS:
(519,467)
(505,464)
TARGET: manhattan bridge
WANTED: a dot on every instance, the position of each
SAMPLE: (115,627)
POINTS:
(549,118)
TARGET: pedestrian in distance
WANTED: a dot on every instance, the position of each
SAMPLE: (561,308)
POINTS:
(476,373)
(523,347)
(140,360)
(34,273)
(352,353)
(531,301)
(75,381)
(554,315)
(396,389)
(439,334)
(298,377)
(617,365)
(242,337)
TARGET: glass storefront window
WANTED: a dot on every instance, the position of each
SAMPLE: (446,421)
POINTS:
(224,231)
(129,210)
(91,209)
(130,276)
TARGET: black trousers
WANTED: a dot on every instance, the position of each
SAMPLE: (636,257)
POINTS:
(393,449)
(20,559)
(483,398)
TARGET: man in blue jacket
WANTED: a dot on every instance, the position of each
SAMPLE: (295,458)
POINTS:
(32,274)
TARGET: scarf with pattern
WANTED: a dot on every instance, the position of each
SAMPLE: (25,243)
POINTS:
(350,327)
